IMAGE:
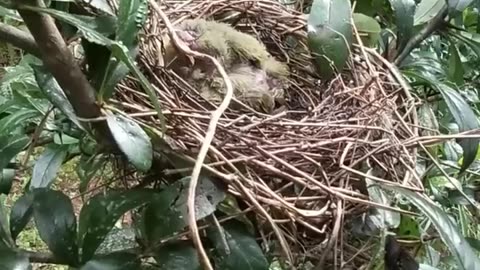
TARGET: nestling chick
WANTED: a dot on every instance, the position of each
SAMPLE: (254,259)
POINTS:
(252,86)
(255,73)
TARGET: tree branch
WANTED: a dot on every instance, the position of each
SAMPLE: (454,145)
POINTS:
(19,39)
(41,257)
(60,62)
(431,27)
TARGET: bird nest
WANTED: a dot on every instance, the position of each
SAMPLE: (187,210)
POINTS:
(301,169)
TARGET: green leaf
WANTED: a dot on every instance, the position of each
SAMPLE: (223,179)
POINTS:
(426,10)
(6,180)
(86,25)
(10,259)
(15,120)
(330,35)
(114,261)
(459,5)
(465,119)
(179,255)
(455,65)
(56,223)
(404,11)
(47,166)
(235,248)
(448,231)
(21,214)
(169,212)
(10,147)
(86,169)
(368,28)
(54,93)
(122,53)
(475,243)
(100,213)
(115,71)
(132,140)
(128,26)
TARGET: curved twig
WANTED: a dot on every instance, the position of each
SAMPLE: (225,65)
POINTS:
(215,117)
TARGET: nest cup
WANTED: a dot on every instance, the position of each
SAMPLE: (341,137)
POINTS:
(301,169)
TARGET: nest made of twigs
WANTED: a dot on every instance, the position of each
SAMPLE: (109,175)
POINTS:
(301,168)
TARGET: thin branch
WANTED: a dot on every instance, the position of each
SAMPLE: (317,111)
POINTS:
(215,117)
(431,27)
(58,59)
(18,38)
(41,257)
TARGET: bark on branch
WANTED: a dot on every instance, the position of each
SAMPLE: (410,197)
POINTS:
(58,59)
(19,39)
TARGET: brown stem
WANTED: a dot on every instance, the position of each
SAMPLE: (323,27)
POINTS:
(19,39)
(431,27)
(60,62)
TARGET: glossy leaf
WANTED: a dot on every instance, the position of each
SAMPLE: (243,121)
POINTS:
(235,248)
(114,261)
(368,29)
(6,180)
(15,120)
(10,147)
(455,66)
(54,93)
(448,231)
(427,9)
(330,35)
(21,214)
(56,223)
(466,120)
(10,259)
(169,212)
(180,255)
(100,213)
(404,11)
(47,166)
(132,140)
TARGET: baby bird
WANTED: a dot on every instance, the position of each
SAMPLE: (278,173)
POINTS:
(251,86)
(257,77)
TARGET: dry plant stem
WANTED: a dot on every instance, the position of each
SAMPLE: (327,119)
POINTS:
(208,136)
(334,236)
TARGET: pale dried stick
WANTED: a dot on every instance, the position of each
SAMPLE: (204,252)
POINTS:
(208,135)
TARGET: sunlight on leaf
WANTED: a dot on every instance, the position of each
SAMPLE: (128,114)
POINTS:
(132,140)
